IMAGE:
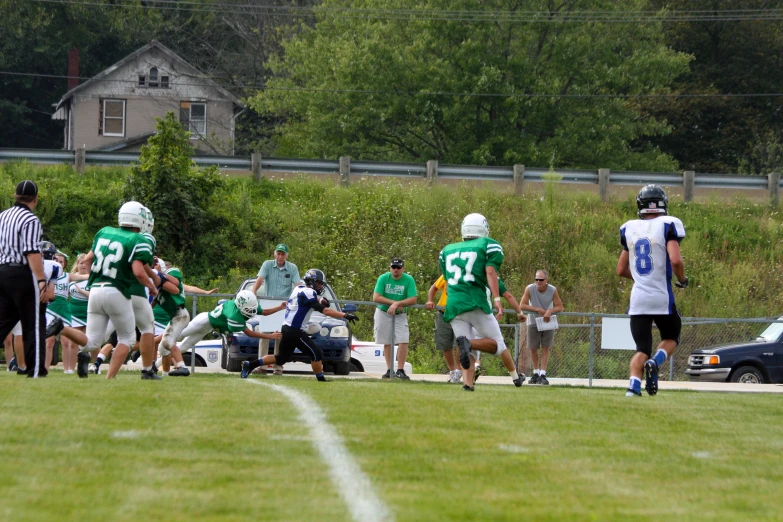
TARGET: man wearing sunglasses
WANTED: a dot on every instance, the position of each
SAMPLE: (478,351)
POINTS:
(394,290)
(542,299)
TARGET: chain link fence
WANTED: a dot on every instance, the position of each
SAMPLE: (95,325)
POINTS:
(576,353)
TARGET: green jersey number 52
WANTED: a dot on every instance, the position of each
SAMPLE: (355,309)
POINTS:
(107,255)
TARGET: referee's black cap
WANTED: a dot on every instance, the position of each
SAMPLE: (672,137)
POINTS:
(27,188)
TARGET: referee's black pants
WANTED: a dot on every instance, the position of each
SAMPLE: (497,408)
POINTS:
(21,300)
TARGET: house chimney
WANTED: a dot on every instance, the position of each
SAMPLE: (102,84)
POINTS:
(73,68)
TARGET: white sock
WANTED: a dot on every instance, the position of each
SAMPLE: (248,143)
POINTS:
(101,357)
(514,375)
(181,364)
(147,368)
(542,372)
(536,371)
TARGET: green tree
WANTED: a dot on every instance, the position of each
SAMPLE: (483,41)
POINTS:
(168,182)
(731,56)
(381,87)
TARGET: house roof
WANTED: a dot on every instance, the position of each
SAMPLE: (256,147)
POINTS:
(175,58)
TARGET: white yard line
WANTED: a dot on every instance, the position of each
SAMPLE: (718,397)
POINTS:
(353,485)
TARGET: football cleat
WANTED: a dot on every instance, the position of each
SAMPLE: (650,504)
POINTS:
(465,387)
(651,377)
(245,369)
(386,375)
(92,369)
(149,375)
(519,381)
(464,351)
(479,372)
(400,374)
(12,364)
(533,379)
(54,328)
(632,393)
(182,371)
(543,380)
(82,364)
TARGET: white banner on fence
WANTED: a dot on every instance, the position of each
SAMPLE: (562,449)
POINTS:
(616,334)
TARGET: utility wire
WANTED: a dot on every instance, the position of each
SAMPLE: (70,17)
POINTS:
(620,16)
(419,93)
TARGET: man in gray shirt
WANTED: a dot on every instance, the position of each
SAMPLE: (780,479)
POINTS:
(279,274)
(279,278)
(542,298)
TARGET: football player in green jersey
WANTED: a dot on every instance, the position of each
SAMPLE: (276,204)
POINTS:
(118,256)
(471,268)
(228,317)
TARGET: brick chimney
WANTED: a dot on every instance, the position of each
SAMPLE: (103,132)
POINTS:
(73,68)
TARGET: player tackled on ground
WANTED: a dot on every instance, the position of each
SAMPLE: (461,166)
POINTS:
(304,299)
(471,271)
(651,253)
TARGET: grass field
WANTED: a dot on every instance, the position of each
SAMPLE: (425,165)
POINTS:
(216,447)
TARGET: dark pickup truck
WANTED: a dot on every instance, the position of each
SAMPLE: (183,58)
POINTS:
(758,361)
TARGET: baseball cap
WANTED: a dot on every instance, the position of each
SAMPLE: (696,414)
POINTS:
(282,247)
(397,261)
(27,188)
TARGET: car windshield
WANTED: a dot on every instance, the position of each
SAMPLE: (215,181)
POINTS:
(772,333)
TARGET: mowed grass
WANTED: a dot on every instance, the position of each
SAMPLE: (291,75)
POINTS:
(215,447)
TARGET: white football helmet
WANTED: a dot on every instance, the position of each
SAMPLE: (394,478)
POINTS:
(132,214)
(473,226)
(247,303)
(149,222)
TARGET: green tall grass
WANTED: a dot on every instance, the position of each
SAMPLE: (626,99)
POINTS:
(732,250)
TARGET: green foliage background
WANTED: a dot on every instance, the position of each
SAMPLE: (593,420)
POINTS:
(732,251)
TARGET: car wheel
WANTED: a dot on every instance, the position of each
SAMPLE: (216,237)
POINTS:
(234,365)
(199,361)
(342,368)
(747,375)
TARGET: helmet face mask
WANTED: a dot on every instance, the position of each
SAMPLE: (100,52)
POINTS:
(246,303)
(652,200)
(132,214)
(315,279)
(149,221)
(48,250)
(474,226)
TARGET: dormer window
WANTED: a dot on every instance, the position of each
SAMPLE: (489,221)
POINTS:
(153,77)
(142,80)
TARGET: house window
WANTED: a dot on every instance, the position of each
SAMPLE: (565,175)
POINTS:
(164,82)
(142,80)
(153,77)
(193,116)
(113,117)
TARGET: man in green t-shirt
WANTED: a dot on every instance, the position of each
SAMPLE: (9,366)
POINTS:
(117,258)
(394,290)
(471,271)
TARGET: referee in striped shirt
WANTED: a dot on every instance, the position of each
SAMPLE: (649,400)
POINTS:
(22,280)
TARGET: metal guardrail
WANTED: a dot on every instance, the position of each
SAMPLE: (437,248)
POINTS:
(406,170)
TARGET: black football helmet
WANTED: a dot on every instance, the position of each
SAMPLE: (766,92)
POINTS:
(315,279)
(652,200)
(47,250)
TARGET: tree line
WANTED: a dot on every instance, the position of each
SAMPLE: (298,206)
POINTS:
(562,83)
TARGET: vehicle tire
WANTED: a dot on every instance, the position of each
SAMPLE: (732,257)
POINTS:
(747,375)
(234,365)
(199,361)
(342,367)
(356,366)
(224,354)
